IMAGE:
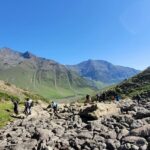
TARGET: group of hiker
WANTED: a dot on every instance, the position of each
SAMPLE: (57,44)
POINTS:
(28,104)
(103,97)
(54,106)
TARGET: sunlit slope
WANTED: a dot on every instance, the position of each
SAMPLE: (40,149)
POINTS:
(46,77)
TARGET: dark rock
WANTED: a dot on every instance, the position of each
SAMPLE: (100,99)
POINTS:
(138,141)
(143,131)
(112,144)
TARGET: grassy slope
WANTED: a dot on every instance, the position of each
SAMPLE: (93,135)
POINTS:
(8,91)
(44,84)
(4,115)
(139,84)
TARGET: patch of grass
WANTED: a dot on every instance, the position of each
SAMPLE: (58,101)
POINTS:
(5,109)
(47,83)
(7,97)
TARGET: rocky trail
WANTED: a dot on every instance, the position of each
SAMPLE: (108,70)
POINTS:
(97,126)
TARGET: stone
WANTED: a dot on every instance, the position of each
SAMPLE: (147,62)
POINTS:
(112,144)
(138,141)
(142,113)
(97,110)
(136,124)
(143,131)
(123,133)
(85,134)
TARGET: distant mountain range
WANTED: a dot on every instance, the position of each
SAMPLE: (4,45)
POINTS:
(45,77)
(100,70)
(53,80)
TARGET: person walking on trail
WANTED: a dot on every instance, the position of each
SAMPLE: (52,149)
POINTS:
(54,106)
(103,97)
(28,105)
(88,98)
(117,98)
(15,103)
(98,96)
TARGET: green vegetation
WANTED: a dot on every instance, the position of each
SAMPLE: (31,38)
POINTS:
(43,77)
(44,84)
(137,85)
(5,110)
(8,92)
(7,97)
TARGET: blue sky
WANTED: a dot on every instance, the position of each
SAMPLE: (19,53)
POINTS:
(70,31)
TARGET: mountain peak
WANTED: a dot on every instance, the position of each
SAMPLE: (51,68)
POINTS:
(101,70)
(28,55)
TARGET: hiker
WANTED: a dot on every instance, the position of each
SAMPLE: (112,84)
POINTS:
(88,98)
(15,103)
(98,96)
(28,105)
(103,97)
(54,106)
(117,97)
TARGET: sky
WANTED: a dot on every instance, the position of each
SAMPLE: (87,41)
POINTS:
(71,31)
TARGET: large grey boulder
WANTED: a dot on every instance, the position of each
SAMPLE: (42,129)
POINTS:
(143,131)
(142,113)
(25,145)
(85,134)
(138,141)
(42,134)
(112,144)
(136,124)
(95,111)
(124,132)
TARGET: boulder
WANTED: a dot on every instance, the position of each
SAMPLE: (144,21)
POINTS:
(112,144)
(143,131)
(142,113)
(85,134)
(138,141)
(95,111)
(42,134)
(123,133)
(136,124)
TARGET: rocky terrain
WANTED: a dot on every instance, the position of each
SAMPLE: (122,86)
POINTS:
(97,126)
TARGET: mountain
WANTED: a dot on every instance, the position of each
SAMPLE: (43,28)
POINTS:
(137,85)
(103,71)
(45,77)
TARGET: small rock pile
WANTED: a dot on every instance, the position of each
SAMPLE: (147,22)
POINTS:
(72,130)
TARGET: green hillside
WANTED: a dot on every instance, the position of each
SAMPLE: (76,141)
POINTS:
(7,92)
(45,77)
(137,85)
